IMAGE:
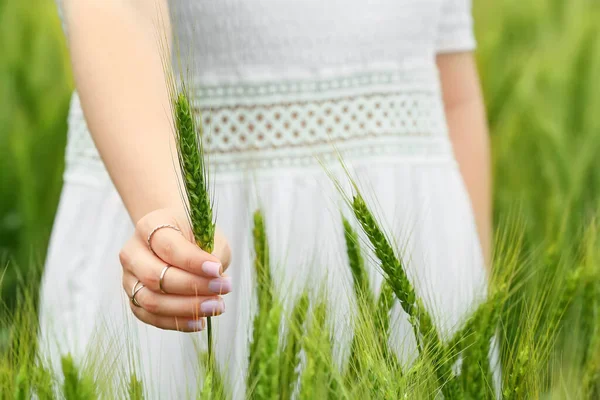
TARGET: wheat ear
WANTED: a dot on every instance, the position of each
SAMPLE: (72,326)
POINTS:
(316,379)
(135,389)
(75,386)
(262,265)
(290,360)
(263,370)
(191,157)
(428,339)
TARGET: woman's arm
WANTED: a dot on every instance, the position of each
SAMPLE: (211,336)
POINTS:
(119,76)
(117,60)
(465,112)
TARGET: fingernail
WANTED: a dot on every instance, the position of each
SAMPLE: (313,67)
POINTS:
(213,307)
(220,285)
(212,268)
(196,324)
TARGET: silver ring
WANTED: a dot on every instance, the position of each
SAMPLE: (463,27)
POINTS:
(158,228)
(162,277)
(134,292)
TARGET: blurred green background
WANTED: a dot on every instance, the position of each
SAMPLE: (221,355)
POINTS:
(539,61)
(35,83)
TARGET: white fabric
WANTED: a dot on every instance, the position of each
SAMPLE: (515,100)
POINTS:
(278,83)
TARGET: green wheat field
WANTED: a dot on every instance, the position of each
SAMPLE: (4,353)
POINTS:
(539,61)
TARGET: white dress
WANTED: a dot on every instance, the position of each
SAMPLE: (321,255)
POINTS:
(284,81)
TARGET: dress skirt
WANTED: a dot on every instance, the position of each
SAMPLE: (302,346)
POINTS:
(421,202)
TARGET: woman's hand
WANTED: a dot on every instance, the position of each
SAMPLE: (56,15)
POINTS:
(193,284)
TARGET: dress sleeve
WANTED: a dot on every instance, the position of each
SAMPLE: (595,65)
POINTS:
(455,29)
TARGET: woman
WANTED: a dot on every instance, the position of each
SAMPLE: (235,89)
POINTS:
(391,84)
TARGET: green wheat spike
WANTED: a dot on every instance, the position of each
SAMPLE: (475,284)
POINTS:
(191,155)
(76,387)
(190,151)
(262,265)
(395,274)
(22,385)
(385,302)
(360,276)
(389,263)
(207,386)
(43,383)
(266,381)
(135,388)
(515,389)
(428,339)
(213,386)
(367,304)
(362,291)
(259,347)
(482,322)
(315,379)
(476,374)
(591,372)
(290,360)
(571,284)
(473,342)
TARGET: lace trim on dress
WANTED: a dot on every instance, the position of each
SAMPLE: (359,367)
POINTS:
(294,123)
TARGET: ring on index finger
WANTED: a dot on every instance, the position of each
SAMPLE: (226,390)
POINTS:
(158,228)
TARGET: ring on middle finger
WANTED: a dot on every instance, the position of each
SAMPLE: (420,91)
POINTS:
(162,277)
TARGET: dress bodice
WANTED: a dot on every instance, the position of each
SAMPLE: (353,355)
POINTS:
(247,40)
(278,81)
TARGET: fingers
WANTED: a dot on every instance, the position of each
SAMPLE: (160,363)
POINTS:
(177,281)
(141,263)
(174,249)
(170,323)
(169,305)
(192,282)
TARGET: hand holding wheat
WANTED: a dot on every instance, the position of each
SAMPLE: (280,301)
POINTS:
(190,289)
